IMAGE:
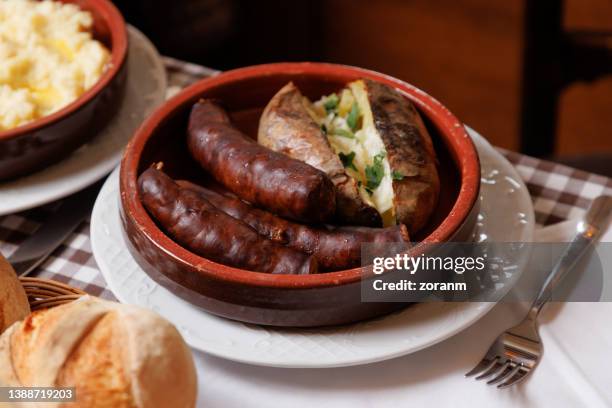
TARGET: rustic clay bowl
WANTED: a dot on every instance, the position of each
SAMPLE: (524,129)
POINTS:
(47,140)
(280,300)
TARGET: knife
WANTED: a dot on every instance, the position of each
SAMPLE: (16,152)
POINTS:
(55,230)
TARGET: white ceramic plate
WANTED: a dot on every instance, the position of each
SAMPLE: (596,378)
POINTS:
(506,215)
(146,87)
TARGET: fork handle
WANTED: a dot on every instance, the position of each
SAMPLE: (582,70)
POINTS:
(595,221)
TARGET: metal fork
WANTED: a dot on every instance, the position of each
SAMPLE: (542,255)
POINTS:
(517,351)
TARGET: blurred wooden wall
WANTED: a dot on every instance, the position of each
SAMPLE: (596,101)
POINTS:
(586,109)
(467,53)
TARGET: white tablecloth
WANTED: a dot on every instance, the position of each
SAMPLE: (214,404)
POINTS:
(574,372)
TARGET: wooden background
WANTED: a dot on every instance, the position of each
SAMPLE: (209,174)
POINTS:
(466,53)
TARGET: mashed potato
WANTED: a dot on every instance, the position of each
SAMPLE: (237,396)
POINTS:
(48,58)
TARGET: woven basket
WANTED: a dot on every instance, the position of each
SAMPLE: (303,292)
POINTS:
(45,293)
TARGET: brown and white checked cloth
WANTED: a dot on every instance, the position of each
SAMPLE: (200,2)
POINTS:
(558,192)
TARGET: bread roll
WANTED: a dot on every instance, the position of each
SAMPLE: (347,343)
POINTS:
(14,304)
(115,355)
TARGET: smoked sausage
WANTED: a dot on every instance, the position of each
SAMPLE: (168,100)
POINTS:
(271,180)
(334,248)
(193,222)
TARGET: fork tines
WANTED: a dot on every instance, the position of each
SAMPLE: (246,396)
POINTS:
(506,372)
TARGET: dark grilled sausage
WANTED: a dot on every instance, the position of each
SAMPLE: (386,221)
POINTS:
(334,249)
(271,180)
(192,221)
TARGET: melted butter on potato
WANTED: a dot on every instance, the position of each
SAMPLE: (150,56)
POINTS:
(332,113)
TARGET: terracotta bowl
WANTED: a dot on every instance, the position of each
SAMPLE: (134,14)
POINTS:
(47,140)
(279,300)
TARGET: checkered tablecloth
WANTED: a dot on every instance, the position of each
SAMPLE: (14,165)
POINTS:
(558,192)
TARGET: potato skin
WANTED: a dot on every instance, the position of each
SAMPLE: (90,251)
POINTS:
(268,179)
(192,221)
(285,126)
(409,151)
(334,249)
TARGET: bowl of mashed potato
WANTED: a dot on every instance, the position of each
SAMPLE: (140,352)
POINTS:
(62,77)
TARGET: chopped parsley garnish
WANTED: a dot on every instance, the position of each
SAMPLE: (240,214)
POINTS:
(396,175)
(375,173)
(343,133)
(347,160)
(331,103)
(353,116)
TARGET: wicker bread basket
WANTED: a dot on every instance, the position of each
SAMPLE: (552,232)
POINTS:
(45,293)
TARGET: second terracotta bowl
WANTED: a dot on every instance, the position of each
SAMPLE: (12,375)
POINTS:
(280,300)
(38,144)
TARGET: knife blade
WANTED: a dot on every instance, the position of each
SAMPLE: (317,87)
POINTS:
(50,235)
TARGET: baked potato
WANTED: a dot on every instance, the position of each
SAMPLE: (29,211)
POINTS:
(379,138)
(288,125)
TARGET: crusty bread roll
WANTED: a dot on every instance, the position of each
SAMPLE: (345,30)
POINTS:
(115,355)
(14,304)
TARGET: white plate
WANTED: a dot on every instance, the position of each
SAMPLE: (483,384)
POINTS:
(146,87)
(506,215)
